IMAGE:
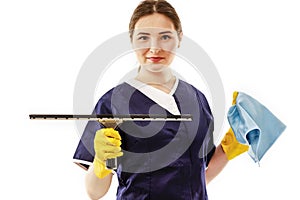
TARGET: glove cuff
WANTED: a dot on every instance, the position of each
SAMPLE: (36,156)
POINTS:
(100,169)
(231,146)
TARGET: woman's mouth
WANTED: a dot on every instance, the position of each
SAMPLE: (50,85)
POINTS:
(155,59)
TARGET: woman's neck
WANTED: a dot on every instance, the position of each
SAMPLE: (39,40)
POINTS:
(163,80)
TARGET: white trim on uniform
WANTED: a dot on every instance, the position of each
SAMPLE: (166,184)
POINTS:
(163,99)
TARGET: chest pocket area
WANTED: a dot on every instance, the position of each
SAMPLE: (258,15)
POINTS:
(173,181)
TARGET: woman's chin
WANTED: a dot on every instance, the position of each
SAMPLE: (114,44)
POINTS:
(155,67)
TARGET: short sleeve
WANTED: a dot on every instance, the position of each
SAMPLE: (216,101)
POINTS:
(84,154)
(209,144)
(208,147)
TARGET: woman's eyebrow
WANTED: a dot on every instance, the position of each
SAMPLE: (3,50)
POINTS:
(164,32)
(143,33)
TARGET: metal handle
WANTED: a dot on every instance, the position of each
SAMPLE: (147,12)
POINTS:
(112,163)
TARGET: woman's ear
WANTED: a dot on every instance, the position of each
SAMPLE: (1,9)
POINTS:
(180,35)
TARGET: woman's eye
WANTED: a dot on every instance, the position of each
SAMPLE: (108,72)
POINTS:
(143,38)
(165,37)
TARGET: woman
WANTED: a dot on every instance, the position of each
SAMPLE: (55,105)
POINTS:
(182,172)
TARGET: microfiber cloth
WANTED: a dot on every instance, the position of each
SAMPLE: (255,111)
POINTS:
(253,124)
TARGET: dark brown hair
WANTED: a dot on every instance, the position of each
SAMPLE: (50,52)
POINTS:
(148,7)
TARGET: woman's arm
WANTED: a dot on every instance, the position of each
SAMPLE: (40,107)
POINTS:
(216,164)
(227,150)
(96,187)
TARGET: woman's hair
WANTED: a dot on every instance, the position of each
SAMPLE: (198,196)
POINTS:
(148,7)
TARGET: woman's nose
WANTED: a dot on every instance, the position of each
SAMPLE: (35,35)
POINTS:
(154,48)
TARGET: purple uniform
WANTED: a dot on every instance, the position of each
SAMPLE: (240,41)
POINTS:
(162,160)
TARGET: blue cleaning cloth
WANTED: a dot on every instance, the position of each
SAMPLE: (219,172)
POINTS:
(253,124)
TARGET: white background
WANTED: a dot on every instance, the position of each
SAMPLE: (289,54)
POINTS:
(255,46)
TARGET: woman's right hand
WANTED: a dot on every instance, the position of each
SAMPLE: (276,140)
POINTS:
(107,144)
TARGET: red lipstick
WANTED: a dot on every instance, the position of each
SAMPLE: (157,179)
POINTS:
(155,59)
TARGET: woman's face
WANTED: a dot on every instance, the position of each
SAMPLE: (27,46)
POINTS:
(155,41)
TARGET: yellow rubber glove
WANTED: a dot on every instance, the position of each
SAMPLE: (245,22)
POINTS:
(107,144)
(235,94)
(229,143)
(231,146)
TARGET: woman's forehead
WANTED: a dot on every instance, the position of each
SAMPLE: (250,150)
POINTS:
(153,31)
(156,21)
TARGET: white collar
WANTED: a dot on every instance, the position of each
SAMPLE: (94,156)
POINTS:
(163,99)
